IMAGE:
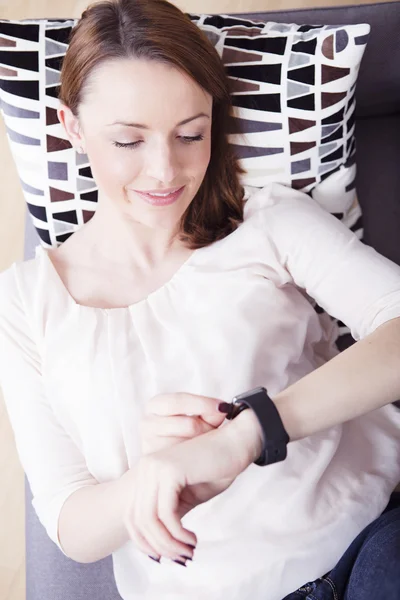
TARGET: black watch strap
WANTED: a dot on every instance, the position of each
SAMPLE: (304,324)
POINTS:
(275,435)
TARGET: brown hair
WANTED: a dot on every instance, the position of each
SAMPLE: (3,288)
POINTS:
(157,30)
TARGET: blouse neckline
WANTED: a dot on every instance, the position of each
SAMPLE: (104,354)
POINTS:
(45,254)
(40,249)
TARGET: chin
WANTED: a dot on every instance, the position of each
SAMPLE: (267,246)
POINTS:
(165,218)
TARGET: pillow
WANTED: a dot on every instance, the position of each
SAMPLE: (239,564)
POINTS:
(293,90)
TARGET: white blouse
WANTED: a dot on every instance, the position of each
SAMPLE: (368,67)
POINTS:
(234,316)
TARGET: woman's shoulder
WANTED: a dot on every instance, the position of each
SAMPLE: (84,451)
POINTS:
(276,196)
(284,214)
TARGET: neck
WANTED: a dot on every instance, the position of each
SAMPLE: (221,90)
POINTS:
(116,236)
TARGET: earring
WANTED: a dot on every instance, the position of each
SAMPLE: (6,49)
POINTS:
(79,149)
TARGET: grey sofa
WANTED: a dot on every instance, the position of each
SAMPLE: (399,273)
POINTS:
(52,576)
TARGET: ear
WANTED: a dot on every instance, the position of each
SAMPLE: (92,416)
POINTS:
(71,125)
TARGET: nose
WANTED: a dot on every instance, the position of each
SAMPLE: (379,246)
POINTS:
(163,164)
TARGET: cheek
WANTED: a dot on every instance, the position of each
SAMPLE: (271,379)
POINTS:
(198,161)
(113,168)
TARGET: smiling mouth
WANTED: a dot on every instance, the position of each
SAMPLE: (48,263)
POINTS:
(161,200)
(165,192)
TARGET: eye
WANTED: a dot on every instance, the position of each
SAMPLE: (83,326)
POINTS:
(130,145)
(190,140)
(186,140)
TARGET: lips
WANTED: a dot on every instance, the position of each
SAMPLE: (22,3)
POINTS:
(166,191)
(161,200)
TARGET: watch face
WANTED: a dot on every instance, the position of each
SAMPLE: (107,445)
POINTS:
(253,392)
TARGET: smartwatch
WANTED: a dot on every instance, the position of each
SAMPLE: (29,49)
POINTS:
(275,435)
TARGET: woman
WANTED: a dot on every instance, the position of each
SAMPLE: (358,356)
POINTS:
(182,291)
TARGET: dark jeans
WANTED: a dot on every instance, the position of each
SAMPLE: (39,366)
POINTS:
(370,567)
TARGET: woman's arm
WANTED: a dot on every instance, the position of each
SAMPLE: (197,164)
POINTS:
(54,465)
(355,284)
(91,522)
(362,378)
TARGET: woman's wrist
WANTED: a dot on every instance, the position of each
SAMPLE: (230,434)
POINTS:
(246,434)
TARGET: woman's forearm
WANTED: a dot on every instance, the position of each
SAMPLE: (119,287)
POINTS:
(90,525)
(360,379)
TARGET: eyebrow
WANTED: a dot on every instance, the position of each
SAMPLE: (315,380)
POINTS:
(141,126)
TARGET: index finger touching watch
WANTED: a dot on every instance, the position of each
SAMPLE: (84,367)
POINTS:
(275,436)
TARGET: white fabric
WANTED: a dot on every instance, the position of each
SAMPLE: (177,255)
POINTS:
(235,316)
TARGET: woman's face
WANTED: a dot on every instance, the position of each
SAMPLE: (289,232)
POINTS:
(131,125)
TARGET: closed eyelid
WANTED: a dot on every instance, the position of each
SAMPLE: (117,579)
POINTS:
(188,139)
(187,136)
(177,135)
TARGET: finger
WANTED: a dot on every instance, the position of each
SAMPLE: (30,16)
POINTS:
(140,542)
(168,512)
(151,528)
(167,545)
(176,426)
(182,403)
(156,433)
(154,444)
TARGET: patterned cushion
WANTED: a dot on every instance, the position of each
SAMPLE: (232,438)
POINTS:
(293,89)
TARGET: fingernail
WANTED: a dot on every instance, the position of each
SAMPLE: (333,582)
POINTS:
(179,562)
(191,546)
(186,557)
(153,558)
(224,407)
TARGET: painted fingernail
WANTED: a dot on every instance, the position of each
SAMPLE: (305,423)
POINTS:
(179,562)
(153,558)
(224,407)
(186,557)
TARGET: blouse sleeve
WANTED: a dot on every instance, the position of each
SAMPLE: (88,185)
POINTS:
(53,464)
(348,278)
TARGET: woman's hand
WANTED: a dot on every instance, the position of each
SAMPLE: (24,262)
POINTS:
(174,418)
(168,483)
